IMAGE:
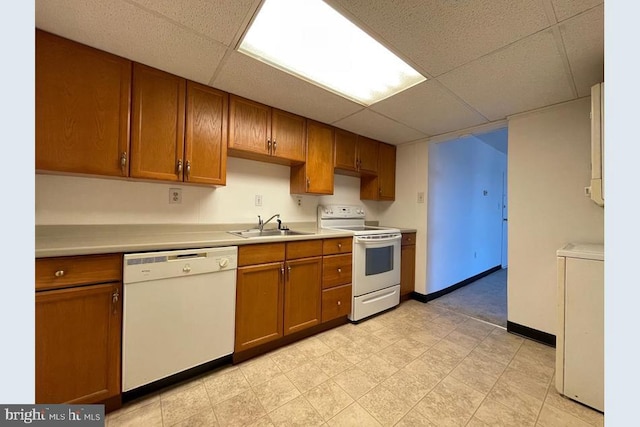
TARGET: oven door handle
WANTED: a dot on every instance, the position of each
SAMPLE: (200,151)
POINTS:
(366,240)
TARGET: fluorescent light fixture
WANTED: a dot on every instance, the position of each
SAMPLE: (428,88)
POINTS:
(309,39)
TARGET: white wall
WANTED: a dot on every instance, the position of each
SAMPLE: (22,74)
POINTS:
(405,211)
(79,200)
(465,224)
(548,168)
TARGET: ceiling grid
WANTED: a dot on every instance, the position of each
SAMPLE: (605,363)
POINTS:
(484,59)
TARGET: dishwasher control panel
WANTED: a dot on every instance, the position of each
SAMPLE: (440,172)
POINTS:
(141,267)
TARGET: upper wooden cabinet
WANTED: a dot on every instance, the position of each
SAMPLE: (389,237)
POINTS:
(368,155)
(82,108)
(260,132)
(157,130)
(355,155)
(179,129)
(315,176)
(205,149)
(383,185)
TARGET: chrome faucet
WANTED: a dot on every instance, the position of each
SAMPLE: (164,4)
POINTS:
(261,223)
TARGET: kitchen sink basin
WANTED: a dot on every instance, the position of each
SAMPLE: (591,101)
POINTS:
(266,233)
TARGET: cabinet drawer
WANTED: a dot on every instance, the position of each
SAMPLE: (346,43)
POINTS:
(304,249)
(408,239)
(336,302)
(260,254)
(77,270)
(337,246)
(336,270)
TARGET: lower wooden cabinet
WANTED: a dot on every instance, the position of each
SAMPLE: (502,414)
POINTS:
(302,303)
(78,329)
(336,302)
(259,303)
(78,332)
(277,295)
(336,278)
(407,264)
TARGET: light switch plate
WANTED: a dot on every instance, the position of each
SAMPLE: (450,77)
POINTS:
(420,196)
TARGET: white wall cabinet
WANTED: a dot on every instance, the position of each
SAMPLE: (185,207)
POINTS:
(580,338)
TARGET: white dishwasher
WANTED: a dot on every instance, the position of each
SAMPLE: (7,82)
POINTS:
(179,312)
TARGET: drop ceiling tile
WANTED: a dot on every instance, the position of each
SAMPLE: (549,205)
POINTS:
(250,78)
(567,8)
(521,77)
(126,30)
(441,35)
(430,108)
(219,20)
(373,125)
(583,38)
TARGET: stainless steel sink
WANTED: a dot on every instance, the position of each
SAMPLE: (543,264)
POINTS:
(266,233)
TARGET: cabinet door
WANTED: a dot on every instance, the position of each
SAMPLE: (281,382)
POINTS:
(302,295)
(206,135)
(78,344)
(407,269)
(82,108)
(387,172)
(367,155)
(157,130)
(249,126)
(259,304)
(345,151)
(316,175)
(288,133)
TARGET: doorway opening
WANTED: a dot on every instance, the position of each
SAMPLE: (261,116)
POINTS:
(467,225)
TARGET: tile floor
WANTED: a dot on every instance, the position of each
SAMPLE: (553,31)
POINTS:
(417,365)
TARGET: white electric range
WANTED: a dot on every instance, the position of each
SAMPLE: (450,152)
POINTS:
(376,259)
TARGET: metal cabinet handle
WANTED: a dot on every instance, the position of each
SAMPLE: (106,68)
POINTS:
(308,183)
(269,145)
(188,169)
(339,245)
(289,271)
(114,298)
(339,303)
(380,191)
(275,145)
(282,271)
(339,270)
(59,273)
(179,165)
(123,162)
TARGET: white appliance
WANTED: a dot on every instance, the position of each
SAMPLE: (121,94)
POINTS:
(376,259)
(179,312)
(580,335)
(596,190)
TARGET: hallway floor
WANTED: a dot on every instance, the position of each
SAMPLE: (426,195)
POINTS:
(417,365)
(484,299)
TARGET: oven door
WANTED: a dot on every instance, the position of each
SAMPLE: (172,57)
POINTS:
(376,262)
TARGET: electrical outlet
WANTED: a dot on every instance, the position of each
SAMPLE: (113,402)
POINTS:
(258,200)
(175,196)
(420,196)
(299,200)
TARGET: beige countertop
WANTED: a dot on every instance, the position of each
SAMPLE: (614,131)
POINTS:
(66,240)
